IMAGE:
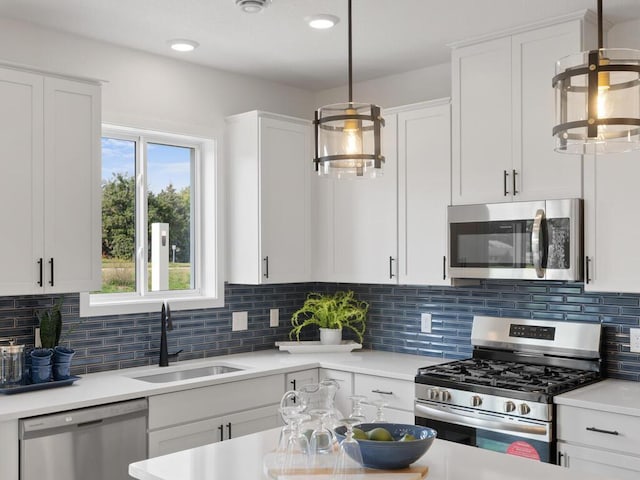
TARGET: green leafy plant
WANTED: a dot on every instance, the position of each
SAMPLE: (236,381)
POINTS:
(51,324)
(337,311)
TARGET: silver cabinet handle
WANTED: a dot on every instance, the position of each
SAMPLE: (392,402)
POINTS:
(536,243)
(266,267)
(391,260)
(381,392)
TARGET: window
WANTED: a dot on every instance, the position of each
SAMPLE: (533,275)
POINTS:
(159,224)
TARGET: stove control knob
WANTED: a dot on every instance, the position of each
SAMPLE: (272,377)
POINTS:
(433,394)
(509,406)
(445,396)
(524,409)
(476,401)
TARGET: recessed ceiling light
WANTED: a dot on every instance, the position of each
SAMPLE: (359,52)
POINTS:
(322,21)
(252,6)
(182,45)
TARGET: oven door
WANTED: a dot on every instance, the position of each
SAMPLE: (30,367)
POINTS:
(501,433)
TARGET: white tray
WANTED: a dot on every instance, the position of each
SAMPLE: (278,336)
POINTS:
(317,347)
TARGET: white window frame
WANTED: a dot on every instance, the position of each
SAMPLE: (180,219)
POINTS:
(208,221)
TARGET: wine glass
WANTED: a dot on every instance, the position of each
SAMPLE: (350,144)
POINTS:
(379,403)
(321,441)
(349,461)
(356,411)
(296,454)
(290,405)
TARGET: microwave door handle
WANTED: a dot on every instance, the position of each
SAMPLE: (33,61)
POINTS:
(537,243)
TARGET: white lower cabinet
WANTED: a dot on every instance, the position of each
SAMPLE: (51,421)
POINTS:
(295,380)
(398,395)
(191,418)
(345,390)
(599,442)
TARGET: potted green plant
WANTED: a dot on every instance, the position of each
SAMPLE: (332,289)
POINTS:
(50,325)
(331,313)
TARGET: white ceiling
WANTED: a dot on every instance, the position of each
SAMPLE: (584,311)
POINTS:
(389,36)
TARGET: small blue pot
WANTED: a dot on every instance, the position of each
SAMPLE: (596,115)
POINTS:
(40,373)
(41,356)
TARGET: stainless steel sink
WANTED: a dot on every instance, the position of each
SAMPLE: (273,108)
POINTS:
(187,374)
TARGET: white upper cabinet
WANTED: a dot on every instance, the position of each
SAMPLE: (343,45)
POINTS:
(269,160)
(355,223)
(612,230)
(50,188)
(503,115)
(424,191)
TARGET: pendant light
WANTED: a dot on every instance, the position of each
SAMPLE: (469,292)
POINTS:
(598,100)
(347,136)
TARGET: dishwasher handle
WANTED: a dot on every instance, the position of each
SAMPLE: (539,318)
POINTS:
(82,417)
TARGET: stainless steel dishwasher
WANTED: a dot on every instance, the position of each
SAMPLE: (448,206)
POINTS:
(97,442)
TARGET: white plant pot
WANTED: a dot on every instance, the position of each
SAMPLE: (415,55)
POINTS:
(330,336)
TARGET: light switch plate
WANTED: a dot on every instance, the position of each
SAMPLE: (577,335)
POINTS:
(634,340)
(239,321)
(274,317)
(425,323)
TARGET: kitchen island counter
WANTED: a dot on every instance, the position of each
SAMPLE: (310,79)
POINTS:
(241,459)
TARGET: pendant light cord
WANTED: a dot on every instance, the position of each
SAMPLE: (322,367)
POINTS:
(350,59)
(600,36)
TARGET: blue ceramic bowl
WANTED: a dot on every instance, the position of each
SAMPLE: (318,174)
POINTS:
(393,455)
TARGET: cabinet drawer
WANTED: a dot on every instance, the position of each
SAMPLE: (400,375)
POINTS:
(399,393)
(207,402)
(611,431)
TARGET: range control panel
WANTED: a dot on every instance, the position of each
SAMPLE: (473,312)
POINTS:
(532,331)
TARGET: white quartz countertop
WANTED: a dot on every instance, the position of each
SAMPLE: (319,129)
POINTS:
(119,385)
(242,459)
(611,395)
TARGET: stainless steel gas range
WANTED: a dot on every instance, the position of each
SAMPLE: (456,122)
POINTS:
(502,398)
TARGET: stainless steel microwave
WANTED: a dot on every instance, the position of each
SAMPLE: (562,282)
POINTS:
(519,240)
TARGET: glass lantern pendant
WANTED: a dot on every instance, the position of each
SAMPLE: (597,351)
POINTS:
(598,100)
(347,136)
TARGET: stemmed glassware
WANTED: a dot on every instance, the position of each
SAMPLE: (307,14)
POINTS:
(321,441)
(379,403)
(356,411)
(349,461)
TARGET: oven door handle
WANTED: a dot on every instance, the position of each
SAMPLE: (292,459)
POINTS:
(437,414)
(537,243)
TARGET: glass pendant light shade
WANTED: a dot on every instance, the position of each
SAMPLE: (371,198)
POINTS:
(348,142)
(598,101)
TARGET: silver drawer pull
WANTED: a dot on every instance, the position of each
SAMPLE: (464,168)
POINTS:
(381,392)
(609,432)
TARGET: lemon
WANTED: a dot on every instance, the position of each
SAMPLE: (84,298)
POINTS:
(359,434)
(380,434)
(407,437)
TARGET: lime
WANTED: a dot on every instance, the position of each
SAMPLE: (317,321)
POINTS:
(380,434)
(407,437)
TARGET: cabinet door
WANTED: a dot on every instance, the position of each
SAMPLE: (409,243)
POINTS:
(285,170)
(182,437)
(295,380)
(345,390)
(482,123)
(355,223)
(599,462)
(424,191)
(72,223)
(251,421)
(541,172)
(21,131)
(612,234)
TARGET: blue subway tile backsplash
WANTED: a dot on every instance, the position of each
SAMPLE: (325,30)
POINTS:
(108,343)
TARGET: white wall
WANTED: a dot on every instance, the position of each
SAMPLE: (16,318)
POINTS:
(624,35)
(401,89)
(150,91)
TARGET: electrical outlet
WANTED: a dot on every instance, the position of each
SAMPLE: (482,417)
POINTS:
(274,317)
(239,321)
(634,340)
(425,323)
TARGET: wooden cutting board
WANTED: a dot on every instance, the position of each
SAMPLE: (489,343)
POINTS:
(409,473)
